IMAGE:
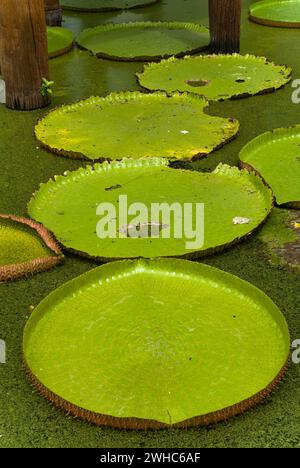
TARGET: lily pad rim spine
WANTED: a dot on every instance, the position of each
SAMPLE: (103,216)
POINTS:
(145,424)
(19,270)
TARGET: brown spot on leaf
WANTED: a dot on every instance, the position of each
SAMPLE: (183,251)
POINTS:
(197,83)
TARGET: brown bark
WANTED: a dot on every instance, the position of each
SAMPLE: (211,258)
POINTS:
(24,53)
(53,13)
(225,25)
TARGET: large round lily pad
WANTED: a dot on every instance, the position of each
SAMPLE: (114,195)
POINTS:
(145,40)
(275,156)
(282,13)
(217,77)
(60,41)
(152,344)
(235,204)
(132,124)
(104,5)
(26,248)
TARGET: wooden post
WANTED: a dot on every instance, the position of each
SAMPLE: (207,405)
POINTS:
(53,13)
(225,25)
(24,53)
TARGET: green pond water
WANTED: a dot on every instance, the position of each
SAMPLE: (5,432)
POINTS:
(26,419)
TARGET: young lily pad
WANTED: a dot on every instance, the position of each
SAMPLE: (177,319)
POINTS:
(68,206)
(133,124)
(104,5)
(282,13)
(217,77)
(157,343)
(26,248)
(60,41)
(275,156)
(144,41)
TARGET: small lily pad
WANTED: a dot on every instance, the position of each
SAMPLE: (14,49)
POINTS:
(26,248)
(104,5)
(275,156)
(60,41)
(282,13)
(152,344)
(217,77)
(133,124)
(144,40)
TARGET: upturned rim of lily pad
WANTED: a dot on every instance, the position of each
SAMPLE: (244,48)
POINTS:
(147,424)
(197,28)
(268,21)
(68,39)
(266,137)
(145,3)
(136,423)
(19,270)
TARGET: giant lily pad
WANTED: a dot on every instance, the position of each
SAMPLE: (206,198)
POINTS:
(235,204)
(154,344)
(136,125)
(276,157)
(282,13)
(104,5)
(217,77)
(60,41)
(144,41)
(26,247)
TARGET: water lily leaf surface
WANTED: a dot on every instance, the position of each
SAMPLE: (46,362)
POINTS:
(282,13)
(149,344)
(68,206)
(60,41)
(133,124)
(217,77)
(275,156)
(144,40)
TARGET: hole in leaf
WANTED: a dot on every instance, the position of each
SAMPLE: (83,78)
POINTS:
(113,187)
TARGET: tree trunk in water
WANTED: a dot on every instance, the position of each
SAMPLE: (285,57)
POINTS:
(225,25)
(53,13)
(24,53)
